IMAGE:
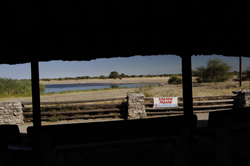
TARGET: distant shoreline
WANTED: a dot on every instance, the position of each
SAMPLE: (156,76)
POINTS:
(110,81)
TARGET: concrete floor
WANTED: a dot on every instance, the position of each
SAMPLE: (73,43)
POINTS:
(239,149)
(202,122)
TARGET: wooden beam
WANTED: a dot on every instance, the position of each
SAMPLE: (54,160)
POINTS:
(240,70)
(35,94)
(187,86)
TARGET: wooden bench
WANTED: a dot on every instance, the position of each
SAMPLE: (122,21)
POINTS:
(58,139)
(10,141)
(218,133)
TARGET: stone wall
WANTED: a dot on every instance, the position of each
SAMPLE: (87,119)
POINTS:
(11,113)
(242,99)
(136,106)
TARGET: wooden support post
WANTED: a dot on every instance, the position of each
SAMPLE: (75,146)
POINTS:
(35,94)
(240,70)
(187,86)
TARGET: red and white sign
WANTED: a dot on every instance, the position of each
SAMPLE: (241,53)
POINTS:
(165,102)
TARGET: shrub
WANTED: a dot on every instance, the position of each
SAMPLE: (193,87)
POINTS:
(216,71)
(122,75)
(102,77)
(114,74)
(247,72)
(10,86)
(174,80)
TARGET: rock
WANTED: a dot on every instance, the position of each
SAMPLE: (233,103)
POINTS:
(136,106)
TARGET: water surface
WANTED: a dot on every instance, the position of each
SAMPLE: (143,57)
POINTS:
(56,88)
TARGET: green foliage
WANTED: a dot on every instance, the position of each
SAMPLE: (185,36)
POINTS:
(82,77)
(68,78)
(114,74)
(10,87)
(174,80)
(216,71)
(122,75)
(247,73)
(149,75)
(46,79)
(235,73)
(41,87)
(53,119)
(102,77)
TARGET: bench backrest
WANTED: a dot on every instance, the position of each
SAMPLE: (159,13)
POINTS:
(218,119)
(113,130)
(241,115)
(10,135)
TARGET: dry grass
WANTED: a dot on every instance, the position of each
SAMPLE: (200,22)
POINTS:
(204,89)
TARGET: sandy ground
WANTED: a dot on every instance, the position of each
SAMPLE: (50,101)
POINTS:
(110,81)
(202,122)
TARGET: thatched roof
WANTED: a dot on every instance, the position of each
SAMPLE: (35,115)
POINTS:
(79,30)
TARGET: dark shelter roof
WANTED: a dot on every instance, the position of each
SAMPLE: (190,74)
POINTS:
(84,30)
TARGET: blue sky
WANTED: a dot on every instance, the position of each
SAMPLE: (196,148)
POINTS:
(161,64)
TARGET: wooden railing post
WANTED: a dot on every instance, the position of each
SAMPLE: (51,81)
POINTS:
(35,94)
(187,86)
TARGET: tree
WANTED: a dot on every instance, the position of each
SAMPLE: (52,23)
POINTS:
(122,75)
(114,74)
(102,77)
(235,73)
(216,71)
(247,73)
(174,80)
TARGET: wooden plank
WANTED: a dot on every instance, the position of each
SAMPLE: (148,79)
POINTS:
(120,98)
(77,112)
(181,112)
(35,93)
(79,117)
(117,110)
(80,101)
(207,101)
(172,108)
(79,106)
(180,97)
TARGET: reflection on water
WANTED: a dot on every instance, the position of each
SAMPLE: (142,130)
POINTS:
(56,88)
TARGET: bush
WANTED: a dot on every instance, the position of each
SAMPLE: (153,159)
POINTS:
(216,71)
(46,79)
(174,80)
(102,77)
(247,73)
(122,75)
(114,74)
